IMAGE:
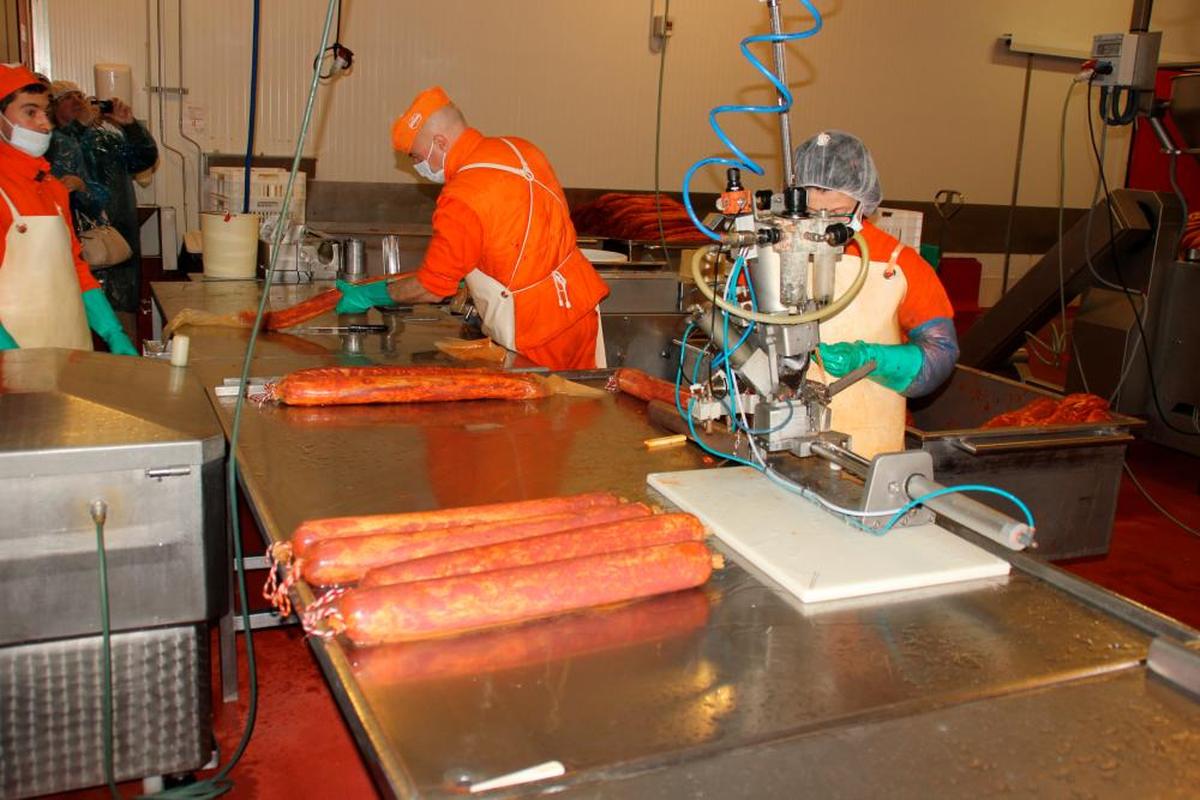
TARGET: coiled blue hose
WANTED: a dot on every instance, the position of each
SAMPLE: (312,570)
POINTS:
(741,160)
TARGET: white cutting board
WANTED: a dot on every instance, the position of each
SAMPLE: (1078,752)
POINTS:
(812,553)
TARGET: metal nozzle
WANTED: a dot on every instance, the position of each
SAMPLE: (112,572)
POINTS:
(99,511)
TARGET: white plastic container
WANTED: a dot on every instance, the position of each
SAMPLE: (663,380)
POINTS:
(230,243)
(113,80)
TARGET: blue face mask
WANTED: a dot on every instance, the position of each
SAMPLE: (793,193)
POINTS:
(425,171)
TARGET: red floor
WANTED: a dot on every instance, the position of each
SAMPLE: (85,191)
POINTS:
(302,749)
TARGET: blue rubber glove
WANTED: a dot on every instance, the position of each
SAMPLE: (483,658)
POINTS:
(895,364)
(104,322)
(358,298)
(7,342)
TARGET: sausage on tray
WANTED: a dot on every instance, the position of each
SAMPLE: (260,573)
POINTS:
(647,387)
(608,537)
(447,606)
(326,386)
(310,532)
(335,561)
(303,311)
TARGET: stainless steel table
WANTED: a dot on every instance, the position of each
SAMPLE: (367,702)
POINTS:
(1034,684)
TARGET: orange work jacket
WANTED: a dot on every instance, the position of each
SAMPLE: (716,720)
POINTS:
(480,221)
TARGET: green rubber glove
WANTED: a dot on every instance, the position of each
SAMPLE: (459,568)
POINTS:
(7,342)
(358,298)
(895,364)
(104,322)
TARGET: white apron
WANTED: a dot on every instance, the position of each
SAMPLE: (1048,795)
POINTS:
(871,414)
(495,301)
(40,302)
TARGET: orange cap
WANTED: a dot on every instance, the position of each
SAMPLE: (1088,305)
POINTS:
(14,77)
(408,125)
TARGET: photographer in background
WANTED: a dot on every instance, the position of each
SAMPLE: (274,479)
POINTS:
(103,158)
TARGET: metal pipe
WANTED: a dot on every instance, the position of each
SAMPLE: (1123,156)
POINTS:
(852,462)
(785,123)
(972,514)
(716,333)
(182,133)
(162,114)
(1139,21)
(1164,138)
(1016,187)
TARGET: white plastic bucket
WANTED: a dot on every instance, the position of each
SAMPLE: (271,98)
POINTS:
(113,80)
(230,243)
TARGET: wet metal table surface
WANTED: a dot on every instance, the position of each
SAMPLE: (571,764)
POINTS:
(678,695)
(411,338)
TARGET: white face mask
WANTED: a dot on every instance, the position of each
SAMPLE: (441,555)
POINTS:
(35,143)
(425,171)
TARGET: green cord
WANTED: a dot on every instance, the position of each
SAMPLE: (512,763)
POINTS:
(219,784)
(98,514)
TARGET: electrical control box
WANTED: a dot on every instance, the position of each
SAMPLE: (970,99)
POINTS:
(1129,60)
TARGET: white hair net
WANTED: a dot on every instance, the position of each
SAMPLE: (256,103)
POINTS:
(840,162)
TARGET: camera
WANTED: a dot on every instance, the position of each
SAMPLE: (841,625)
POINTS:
(105,106)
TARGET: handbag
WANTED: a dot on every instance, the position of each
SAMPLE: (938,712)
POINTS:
(100,244)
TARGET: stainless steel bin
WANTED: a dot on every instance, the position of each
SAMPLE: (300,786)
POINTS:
(1067,474)
(76,427)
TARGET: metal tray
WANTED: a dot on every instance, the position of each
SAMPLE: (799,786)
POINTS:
(1067,474)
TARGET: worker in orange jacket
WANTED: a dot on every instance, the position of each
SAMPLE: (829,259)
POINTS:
(502,225)
(902,319)
(48,297)
(840,177)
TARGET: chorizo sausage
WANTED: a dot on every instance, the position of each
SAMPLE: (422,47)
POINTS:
(447,606)
(303,311)
(324,386)
(647,387)
(312,531)
(347,560)
(628,534)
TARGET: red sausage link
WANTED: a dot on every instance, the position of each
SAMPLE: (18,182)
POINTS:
(608,537)
(347,560)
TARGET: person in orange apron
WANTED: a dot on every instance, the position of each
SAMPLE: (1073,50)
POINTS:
(502,225)
(902,319)
(48,297)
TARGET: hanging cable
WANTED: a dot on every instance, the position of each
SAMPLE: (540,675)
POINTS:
(1129,471)
(1157,505)
(254,26)
(1137,315)
(219,783)
(741,160)
(662,68)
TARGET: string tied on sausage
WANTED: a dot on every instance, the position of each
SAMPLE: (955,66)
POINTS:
(315,617)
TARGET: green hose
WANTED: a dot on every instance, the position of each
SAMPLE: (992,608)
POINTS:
(786,319)
(218,784)
(99,510)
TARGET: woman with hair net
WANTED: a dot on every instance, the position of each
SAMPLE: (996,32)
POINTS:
(902,319)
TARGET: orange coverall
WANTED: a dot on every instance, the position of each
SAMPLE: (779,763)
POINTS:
(480,222)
